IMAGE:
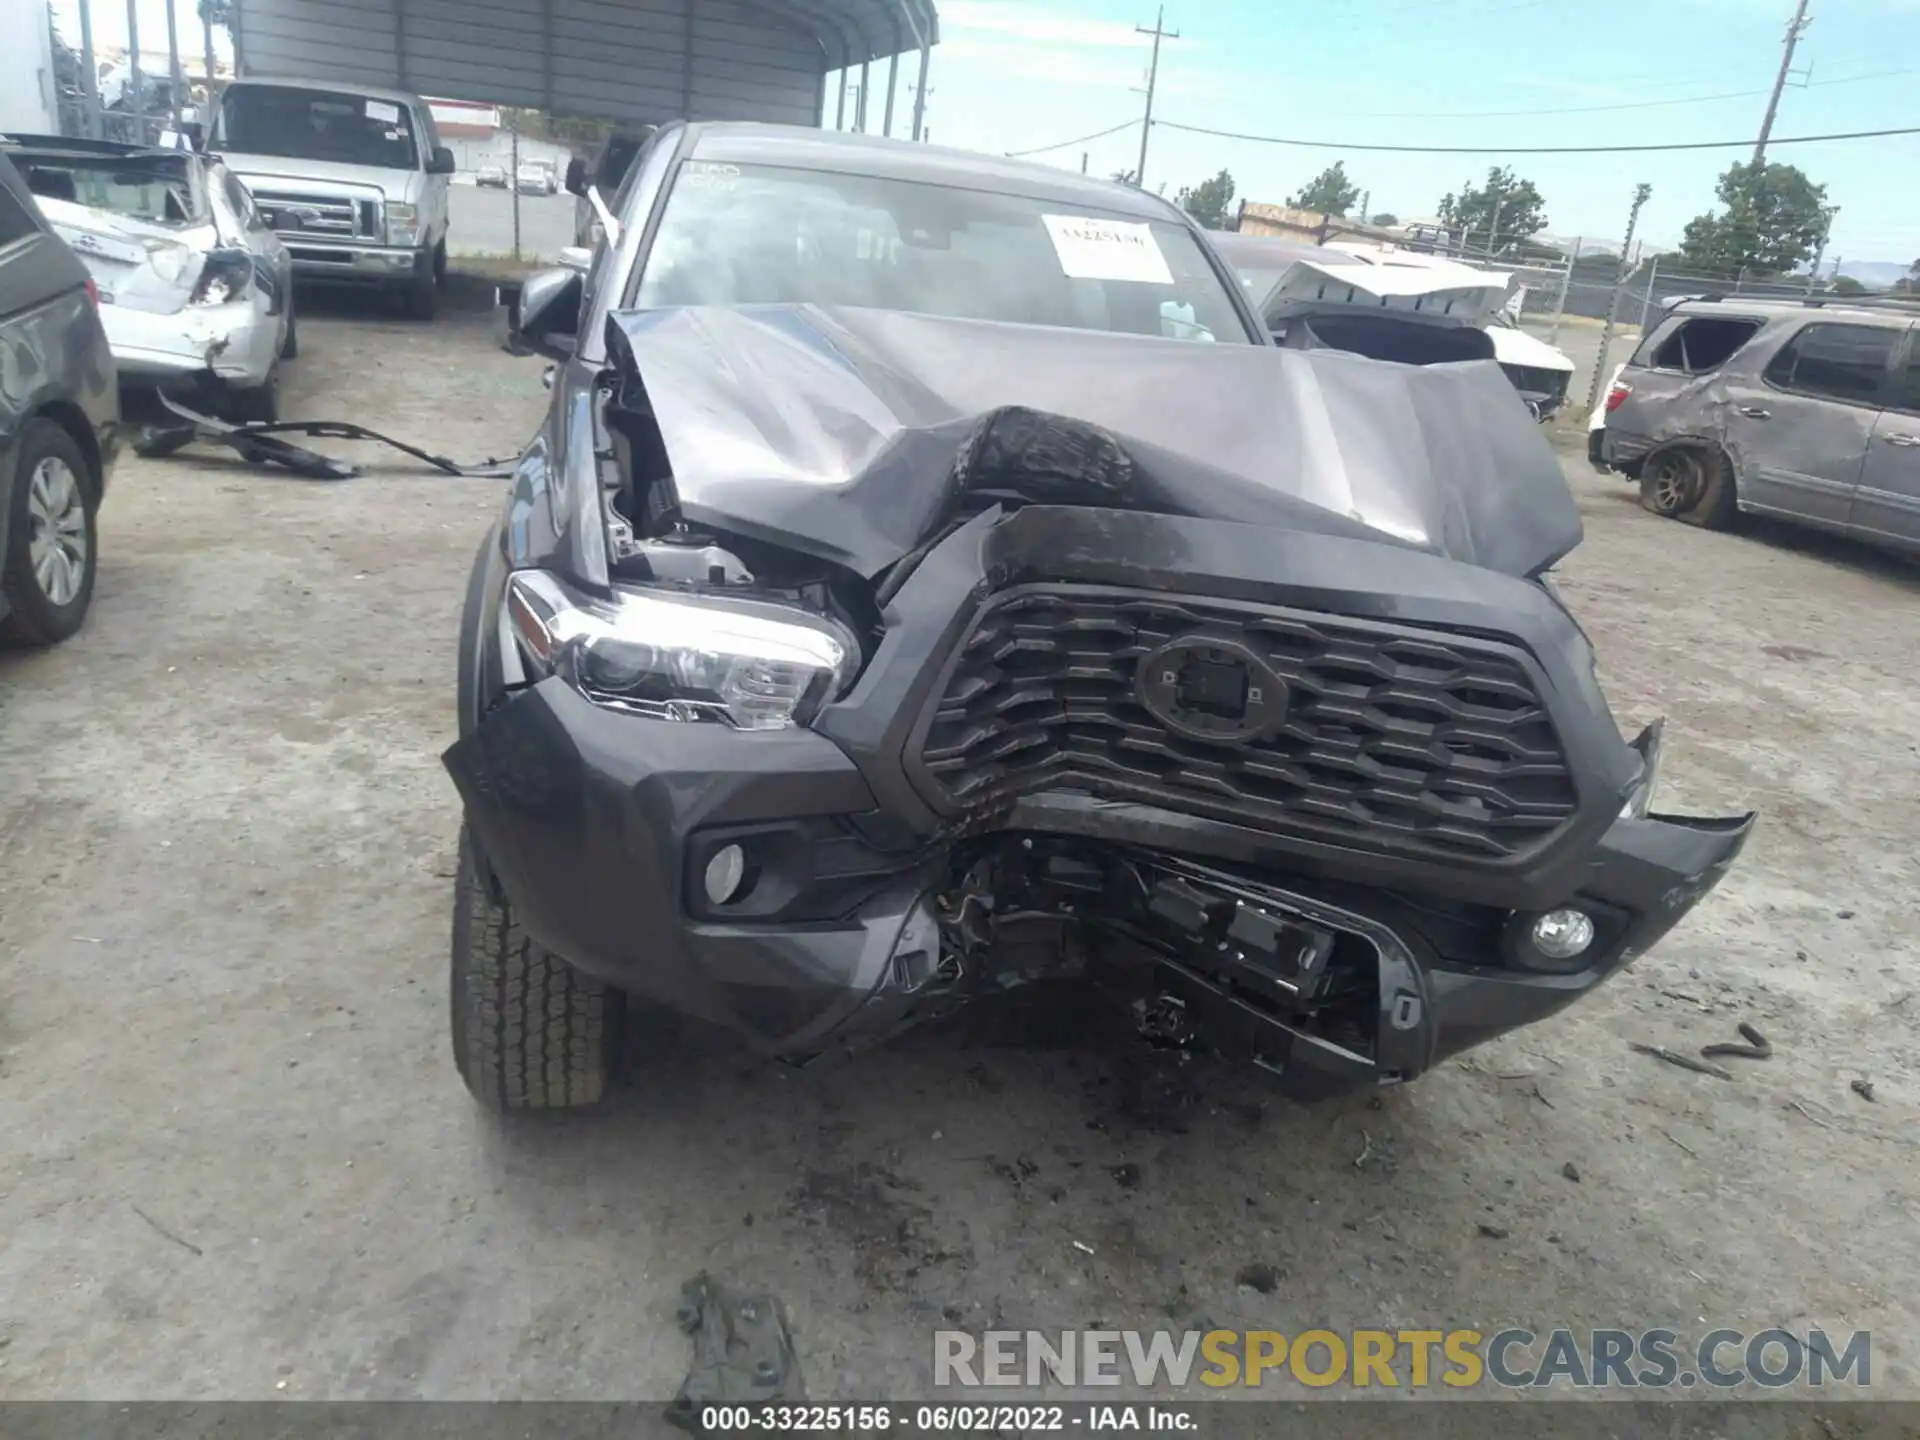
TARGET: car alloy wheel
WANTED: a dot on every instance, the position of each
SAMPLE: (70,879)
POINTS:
(57,541)
(1677,482)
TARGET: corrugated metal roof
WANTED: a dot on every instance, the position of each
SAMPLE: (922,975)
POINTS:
(638,60)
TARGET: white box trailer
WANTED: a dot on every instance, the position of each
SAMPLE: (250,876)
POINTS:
(29,104)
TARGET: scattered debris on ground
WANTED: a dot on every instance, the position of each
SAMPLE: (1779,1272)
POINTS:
(1758,1047)
(1571,1171)
(1685,1062)
(1863,1088)
(742,1351)
(1261,1277)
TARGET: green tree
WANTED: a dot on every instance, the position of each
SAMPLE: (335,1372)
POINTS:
(1386,219)
(1847,285)
(1773,222)
(1210,202)
(1329,192)
(1909,284)
(1497,215)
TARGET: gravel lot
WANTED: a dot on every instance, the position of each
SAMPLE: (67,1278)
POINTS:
(240,1164)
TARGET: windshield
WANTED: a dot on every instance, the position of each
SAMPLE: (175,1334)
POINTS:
(752,235)
(159,191)
(316,125)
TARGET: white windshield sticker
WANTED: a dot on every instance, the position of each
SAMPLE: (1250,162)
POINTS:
(383,112)
(1091,249)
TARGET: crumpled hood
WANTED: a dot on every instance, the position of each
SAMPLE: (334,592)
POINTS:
(857,434)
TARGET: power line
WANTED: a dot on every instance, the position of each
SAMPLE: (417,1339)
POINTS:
(1534,149)
(1619,105)
(1064,144)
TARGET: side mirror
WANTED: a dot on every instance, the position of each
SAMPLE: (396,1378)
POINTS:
(441,161)
(546,321)
(577,258)
(576,176)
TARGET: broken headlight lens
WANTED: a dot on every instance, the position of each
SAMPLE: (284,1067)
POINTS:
(751,664)
(403,223)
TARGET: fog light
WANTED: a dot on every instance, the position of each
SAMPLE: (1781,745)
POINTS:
(1558,934)
(728,868)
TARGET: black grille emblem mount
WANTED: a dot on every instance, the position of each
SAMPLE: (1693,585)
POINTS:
(1212,689)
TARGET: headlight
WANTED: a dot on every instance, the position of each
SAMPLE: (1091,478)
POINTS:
(403,223)
(747,663)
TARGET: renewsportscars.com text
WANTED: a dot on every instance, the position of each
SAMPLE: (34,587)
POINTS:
(1414,1359)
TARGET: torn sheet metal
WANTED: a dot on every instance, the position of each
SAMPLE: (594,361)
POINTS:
(261,445)
(857,433)
(742,1351)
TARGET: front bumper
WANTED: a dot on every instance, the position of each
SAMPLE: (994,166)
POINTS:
(237,343)
(598,825)
(364,264)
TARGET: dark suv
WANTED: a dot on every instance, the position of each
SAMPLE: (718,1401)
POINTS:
(59,411)
(1805,410)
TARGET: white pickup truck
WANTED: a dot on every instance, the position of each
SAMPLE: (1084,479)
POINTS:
(352,177)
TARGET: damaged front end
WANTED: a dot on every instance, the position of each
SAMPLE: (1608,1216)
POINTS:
(816,708)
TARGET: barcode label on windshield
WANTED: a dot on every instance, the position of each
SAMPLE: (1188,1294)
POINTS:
(1091,249)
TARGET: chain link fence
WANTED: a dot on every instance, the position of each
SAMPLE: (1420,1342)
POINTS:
(1594,307)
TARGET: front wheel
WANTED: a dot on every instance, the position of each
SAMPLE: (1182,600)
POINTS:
(47,569)
(530,1032)
(421,298)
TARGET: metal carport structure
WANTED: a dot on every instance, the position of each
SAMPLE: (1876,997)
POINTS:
(644,61)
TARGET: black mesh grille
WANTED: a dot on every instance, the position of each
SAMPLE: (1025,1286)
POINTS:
(1388,737)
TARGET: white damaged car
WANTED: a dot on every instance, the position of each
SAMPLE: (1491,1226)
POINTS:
(195,290)
(1396,305)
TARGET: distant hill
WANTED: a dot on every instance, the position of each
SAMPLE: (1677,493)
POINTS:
(1874,274)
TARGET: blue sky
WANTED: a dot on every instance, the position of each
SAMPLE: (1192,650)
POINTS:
(1014,74)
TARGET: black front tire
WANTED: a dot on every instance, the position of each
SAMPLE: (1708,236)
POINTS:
(530,1032)
(33,617)
(290,345)
(421,298)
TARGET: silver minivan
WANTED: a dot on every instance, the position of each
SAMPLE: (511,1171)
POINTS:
(1804,410)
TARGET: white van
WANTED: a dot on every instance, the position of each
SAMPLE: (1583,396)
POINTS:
(353,178)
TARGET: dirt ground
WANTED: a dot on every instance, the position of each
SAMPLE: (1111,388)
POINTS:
(238,1162)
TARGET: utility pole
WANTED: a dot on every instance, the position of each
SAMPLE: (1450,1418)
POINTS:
(1366,197)
(89,72)
(1493,227)
(513,174)
(1820,252)
(1159,33)
(206,45)
(1640,194)
(1795,29)
(134,78)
